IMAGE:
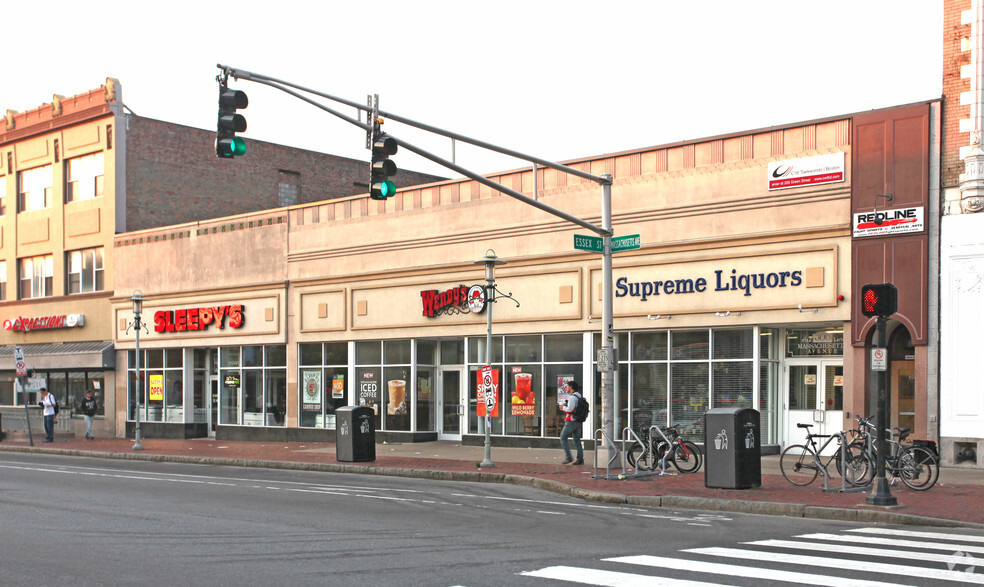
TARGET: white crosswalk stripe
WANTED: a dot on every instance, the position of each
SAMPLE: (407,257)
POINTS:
(803,559)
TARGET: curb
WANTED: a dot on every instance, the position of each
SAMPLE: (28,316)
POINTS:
(859,515)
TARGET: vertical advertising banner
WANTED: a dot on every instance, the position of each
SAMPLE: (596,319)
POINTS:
(369,390)
(480,392)
(311,382)
(523,400)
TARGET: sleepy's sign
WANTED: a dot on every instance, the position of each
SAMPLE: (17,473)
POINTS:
(199,318)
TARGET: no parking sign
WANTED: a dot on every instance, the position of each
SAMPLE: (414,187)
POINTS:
(19,363)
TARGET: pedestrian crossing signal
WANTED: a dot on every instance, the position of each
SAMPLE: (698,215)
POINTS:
(879,299)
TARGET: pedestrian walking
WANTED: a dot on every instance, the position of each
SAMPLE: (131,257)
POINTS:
(572,427)
(49,406)
(88,407)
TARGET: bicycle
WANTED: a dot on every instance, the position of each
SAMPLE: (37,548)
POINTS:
(662,447)
(801,464)
(916,465)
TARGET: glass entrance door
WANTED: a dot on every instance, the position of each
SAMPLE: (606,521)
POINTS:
(451,406)
(814,395)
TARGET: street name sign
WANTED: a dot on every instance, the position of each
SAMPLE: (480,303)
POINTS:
(628,242)
(588,243)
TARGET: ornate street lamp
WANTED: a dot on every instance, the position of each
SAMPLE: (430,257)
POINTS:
(137,300)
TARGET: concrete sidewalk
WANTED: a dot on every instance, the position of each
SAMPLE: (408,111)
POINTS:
(954,501)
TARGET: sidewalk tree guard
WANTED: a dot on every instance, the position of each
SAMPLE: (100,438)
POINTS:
(604,231)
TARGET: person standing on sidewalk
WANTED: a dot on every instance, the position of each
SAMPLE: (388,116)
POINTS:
(572,428)
(48,404)
(88,408)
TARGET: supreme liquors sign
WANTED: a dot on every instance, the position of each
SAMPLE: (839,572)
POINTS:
(883,222)
(794,173)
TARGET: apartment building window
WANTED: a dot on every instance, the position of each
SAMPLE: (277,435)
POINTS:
(34,188)
(3,280)
(36,277)
(3,195)
(84,177)
(85,271)
(289,189)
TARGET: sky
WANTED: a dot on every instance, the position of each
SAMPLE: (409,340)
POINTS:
(554,79)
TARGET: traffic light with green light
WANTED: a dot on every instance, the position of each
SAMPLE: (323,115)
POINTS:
(227,144)
(880,299)
(380,186)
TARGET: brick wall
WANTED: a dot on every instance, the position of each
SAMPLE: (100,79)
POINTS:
(173,175)
(953,58)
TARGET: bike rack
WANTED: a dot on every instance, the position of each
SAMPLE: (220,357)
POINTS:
(844,488)
(662,460)
(615,451)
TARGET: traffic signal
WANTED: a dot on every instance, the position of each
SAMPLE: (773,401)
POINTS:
(880,299)
(227,144)
(380,186)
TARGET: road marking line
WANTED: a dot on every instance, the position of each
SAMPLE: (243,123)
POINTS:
(840,563)
(917,534)
(611,578)
(852,549)
(893,542)
(742,571)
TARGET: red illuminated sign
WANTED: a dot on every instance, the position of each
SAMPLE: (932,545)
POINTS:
(198,318)
(25,324)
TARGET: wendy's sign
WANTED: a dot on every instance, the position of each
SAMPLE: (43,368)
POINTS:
(457,300)
(199,318)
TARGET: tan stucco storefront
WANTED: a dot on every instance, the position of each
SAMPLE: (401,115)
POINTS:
(739,296)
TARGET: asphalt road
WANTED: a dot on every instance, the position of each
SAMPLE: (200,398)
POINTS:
(87,521)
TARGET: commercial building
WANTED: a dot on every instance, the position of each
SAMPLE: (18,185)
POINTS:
(961,406)
(743,293)
(78,171)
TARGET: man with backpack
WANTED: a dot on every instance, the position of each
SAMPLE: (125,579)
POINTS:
(576,409)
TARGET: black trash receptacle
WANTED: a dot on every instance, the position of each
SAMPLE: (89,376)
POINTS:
(732,448)
(355,437)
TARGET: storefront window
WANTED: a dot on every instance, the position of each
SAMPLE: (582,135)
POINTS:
(476,350)
(427,351)
(259,386)
(769,384)
(161,373)
(523,349)
(323,386)
(522,388)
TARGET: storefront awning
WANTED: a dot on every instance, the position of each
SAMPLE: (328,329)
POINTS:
(98,354)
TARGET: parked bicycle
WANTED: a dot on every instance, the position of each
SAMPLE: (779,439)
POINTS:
(661,447)
(917,465)
(800,464)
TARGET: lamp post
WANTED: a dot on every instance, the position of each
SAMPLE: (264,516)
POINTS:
(490,261)
(137,300)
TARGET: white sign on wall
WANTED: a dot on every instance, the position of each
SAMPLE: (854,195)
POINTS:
(882,222)
(794,173)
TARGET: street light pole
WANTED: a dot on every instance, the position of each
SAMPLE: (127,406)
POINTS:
(607,326)
(490,261)
(883,494)
(137,300)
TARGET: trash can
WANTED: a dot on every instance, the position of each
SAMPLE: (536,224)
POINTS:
(732,448)
(355,437)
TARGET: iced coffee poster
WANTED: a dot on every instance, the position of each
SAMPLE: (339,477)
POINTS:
(397,397)
(369,390)
(523,400)
(311,382)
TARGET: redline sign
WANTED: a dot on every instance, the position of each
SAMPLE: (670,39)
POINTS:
(794,173)
(25,324)
(895,221)
(198,318)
